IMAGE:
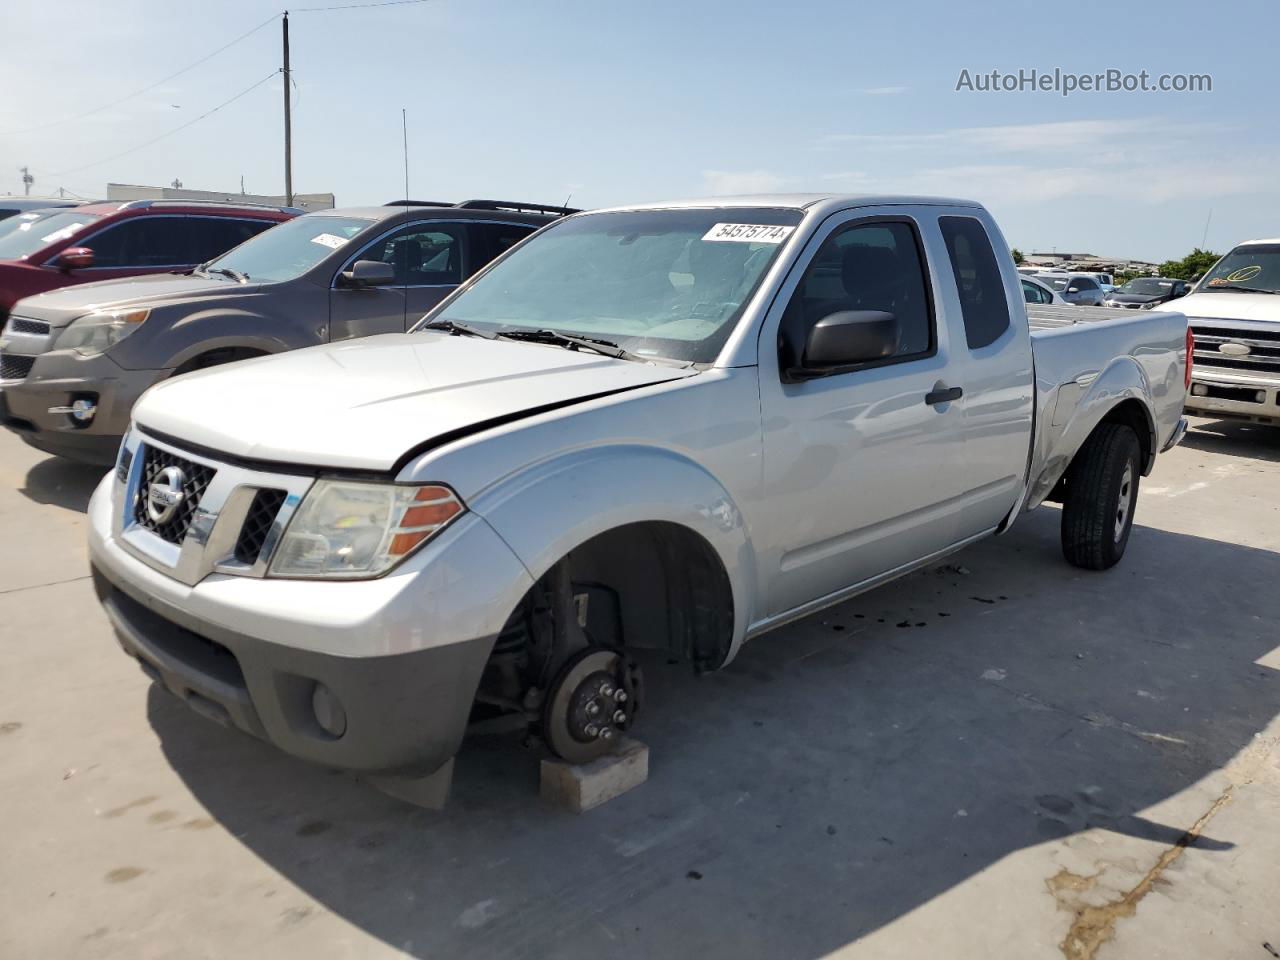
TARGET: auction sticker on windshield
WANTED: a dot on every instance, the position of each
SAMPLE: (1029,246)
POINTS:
(328,240)
(748,233)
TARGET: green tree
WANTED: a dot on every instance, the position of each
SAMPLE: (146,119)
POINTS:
(1017,255)
(1193,264)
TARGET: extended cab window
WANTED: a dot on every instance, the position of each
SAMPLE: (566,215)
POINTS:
(421,255)
(142,242)
(864,266)
(978,280)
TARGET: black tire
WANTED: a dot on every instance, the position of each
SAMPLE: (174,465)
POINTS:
(1102,492)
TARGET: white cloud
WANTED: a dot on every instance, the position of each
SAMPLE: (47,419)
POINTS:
(719,183)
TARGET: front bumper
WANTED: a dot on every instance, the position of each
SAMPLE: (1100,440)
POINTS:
(58,379)
(1234,397)
(402,655)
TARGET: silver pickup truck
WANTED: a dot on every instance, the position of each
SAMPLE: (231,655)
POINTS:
(672,426)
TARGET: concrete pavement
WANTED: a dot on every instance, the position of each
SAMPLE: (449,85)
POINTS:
(999,757)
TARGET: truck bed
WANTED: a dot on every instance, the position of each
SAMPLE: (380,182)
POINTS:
(1075,349)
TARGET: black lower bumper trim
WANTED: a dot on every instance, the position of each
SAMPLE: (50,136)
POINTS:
(406,714)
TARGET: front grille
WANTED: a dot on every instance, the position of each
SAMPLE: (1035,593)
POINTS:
(257,524)
(1263,355)
(14,366)
(195,480)
(23,325)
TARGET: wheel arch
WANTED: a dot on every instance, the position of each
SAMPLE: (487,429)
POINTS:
(647,506)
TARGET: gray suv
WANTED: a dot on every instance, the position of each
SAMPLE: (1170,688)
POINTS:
(88,352)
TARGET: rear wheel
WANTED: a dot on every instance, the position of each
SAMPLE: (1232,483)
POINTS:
(1101,493)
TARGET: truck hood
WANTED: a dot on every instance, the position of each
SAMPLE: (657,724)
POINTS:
(60,307)
(1231,306)
(362,405)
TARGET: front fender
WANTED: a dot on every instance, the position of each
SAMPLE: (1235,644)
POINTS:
(549,509)
(1076,410)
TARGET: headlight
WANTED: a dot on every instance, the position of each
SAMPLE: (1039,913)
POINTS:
(96,333)
(348,529)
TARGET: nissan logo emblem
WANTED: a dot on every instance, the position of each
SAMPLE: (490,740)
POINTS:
(164,494)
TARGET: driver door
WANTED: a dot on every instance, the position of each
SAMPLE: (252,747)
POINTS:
(862,473)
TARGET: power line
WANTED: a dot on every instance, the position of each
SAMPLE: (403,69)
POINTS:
(162,136)
(138,93)
(358,6)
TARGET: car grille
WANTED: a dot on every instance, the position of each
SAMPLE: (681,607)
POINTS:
(14,366)
(196,479)
(257,524)
(23,325)
(1263,355)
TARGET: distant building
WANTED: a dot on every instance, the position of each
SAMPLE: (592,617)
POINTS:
(130,191)
(1090,263)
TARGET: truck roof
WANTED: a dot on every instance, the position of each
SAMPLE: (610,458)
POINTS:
(1248,242)
(803,201)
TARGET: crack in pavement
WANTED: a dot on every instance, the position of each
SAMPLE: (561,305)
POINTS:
(37,586)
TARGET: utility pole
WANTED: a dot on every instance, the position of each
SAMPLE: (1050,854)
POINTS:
(27,181)
(288,122)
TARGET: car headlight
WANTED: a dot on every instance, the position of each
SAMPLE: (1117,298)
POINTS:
(351,529)
(95,333)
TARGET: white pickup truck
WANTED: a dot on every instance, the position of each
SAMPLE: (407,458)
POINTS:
(672,426)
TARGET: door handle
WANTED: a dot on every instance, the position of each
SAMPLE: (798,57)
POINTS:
(943,395)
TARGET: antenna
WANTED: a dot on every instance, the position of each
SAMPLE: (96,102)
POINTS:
(567,199)
(1204,240)
(404,130)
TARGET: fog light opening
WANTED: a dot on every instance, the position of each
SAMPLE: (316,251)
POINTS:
(81,410)
(328,711)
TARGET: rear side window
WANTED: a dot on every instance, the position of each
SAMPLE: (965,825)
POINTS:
(209,237)
(490,240)
(143,242)
(978,281)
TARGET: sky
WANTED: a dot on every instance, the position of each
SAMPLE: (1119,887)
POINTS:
(609,102)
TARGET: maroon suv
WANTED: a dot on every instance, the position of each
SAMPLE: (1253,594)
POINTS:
(53,248)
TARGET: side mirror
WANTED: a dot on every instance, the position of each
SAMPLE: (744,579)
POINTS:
(369,273)
(848,337)
(75,258)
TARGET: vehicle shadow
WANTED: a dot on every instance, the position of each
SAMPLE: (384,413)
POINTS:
(62,483)
(1238,438)
(840,773)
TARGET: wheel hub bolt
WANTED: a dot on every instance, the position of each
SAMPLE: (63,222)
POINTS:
(606,689)
(619,717)
(593,708)
(620,695)
(591,730)
(606,733)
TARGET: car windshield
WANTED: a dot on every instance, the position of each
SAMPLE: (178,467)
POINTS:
(36,230)
(1253,265)
(658,283)
(289,249)
(1057,283)
(1147,287)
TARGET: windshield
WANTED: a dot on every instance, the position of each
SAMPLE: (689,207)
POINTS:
(1148,287)
(289,249)
(1057,283)
(36,230)
(659,283)
(1253,265)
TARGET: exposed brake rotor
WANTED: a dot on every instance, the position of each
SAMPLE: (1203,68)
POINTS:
(591,703)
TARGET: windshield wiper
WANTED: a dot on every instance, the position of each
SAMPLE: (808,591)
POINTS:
(1237,287)
(227,272)
(459,329)
(605,348)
